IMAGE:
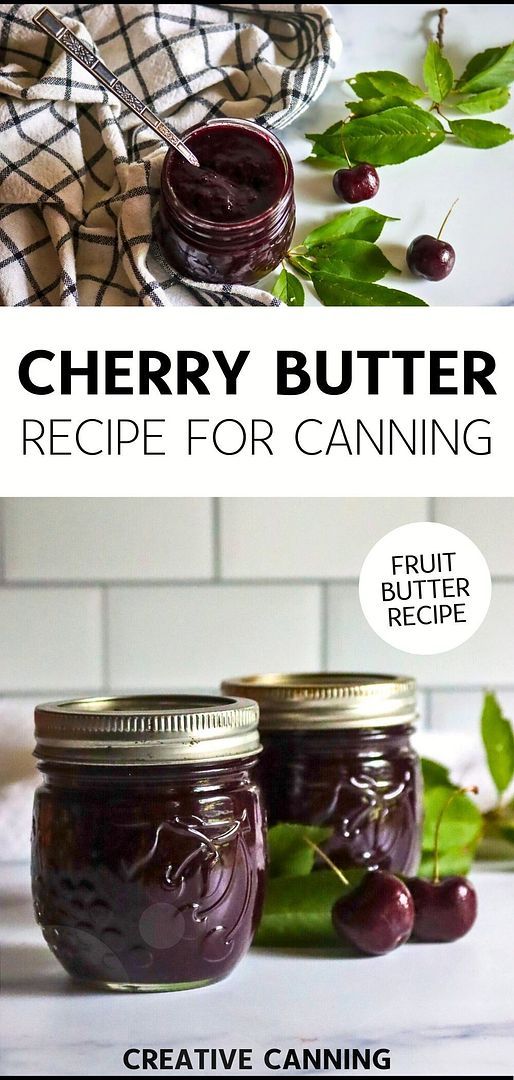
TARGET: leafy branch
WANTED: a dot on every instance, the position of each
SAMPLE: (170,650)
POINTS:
(299,898)
(392,119)
(344,264)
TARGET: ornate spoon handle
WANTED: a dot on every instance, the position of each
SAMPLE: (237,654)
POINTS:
(51,25)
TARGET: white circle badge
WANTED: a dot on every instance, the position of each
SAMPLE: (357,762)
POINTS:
(425,588)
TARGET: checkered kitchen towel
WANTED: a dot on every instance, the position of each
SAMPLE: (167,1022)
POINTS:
(79,174)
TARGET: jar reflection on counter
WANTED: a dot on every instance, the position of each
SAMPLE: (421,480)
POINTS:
(241,243)
(149,873)
(338,753)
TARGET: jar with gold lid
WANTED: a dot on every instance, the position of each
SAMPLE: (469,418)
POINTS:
(338,753)
(148,847)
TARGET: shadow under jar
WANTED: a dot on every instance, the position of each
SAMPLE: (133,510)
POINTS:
(231,221)
(338,753)
(148,846)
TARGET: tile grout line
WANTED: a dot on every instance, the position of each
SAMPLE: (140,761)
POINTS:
(218,579)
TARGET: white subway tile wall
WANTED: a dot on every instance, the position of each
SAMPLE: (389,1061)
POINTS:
(100,595)
(107,539)
(306,538)
(49,638)
(487,659)
(489,522)
(172,635)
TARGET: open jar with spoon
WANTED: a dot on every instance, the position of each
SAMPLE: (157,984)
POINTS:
(232,219)
(227,208)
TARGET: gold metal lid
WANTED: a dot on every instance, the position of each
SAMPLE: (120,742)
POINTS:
(328,700)
(148,730)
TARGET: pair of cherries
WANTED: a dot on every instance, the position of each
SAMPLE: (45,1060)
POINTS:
(427,256)
(384,911)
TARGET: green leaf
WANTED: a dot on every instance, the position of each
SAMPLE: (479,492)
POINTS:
(489,69)
(482,134)
(487,101)
(498,740)
(328,146)
(434,774)
(391,137)
(437,73)
(297,910)
(495,849)
(289,289)
(453,861)
(319,159)
(386,83)
(335,291)
(385,138)
(507,832)
(289,855)
(329,143)
(362,85)
(300,263)
(461,825)
(350,258)
(362,223)
(375,105)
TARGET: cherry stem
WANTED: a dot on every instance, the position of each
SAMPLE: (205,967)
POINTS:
(328,861)
(345,152)
(440,26)
(458,791)
(446,218)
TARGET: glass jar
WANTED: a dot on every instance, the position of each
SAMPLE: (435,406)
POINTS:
(232,220)
(338,753)
(148,848)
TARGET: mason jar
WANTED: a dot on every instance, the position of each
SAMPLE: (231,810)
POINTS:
(148,846)
(338,753)
(232,220)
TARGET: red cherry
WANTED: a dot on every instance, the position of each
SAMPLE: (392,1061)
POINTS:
(377,916)
(357,183)
(429,256)
(444,910)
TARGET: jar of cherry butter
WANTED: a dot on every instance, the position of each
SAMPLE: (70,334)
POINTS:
(231,220)
(148,847)
(338,753)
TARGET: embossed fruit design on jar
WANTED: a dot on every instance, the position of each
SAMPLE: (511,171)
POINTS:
(148,847)
(338,753)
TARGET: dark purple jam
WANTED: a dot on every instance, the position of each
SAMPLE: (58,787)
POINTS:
(240,175)
(364,783)
(232,219)
(149,877)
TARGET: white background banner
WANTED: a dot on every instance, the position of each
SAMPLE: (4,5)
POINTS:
(310,443)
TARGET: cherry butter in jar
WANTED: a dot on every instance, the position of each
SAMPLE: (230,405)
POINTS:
(338,753)
(148,848)
(230,221)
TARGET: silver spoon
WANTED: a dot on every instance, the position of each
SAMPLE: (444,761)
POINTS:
(51,25)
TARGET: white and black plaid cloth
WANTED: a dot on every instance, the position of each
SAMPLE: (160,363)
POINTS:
(79,174)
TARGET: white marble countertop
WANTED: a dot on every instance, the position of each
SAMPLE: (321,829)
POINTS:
(420,191)
(440,1010)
